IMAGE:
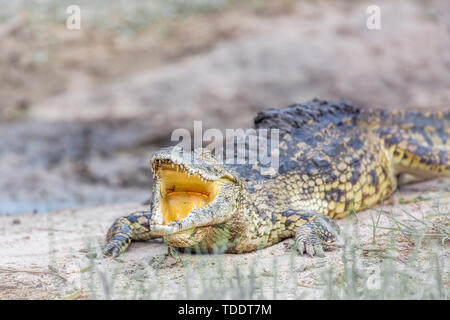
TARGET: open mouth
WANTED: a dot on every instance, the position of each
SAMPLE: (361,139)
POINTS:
(181,191)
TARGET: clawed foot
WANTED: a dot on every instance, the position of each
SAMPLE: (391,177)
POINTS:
(317,235)
(111,249)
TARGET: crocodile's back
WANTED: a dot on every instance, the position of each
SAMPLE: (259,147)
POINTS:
(335,156)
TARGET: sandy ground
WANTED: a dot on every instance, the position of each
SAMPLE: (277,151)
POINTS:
(57,255)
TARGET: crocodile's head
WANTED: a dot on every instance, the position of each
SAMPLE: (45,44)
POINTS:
(191,190)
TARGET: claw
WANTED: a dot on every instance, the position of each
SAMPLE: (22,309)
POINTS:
(309,249)
(301,247)
(318,250)
(111,250)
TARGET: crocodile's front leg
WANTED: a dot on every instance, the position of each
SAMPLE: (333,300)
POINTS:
(135,226)
(319,233)
(313,232)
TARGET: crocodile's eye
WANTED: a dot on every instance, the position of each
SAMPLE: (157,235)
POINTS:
(182,192)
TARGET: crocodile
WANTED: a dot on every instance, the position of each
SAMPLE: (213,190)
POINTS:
(335,158)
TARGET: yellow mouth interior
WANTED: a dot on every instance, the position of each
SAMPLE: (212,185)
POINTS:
(181,193)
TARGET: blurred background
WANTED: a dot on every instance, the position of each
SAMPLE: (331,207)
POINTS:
(81,111)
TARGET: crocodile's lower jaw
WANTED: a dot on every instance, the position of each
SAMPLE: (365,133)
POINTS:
(181,193)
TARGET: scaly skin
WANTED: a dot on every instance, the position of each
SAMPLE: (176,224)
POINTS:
(334,157)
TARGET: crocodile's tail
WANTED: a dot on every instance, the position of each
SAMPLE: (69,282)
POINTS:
(418,142)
